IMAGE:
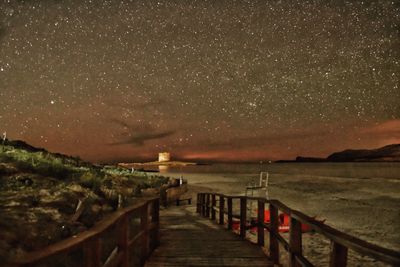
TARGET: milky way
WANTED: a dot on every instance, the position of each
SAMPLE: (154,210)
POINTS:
(211,80)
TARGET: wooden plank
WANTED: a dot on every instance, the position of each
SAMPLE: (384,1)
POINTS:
(155,221)
(295,242)
(235,249)
(243,220)
(260,220)
(123,240)
(208,205)
(198,207)
(303,261)
(221,210)
(209,261)
(135,239)
(144,216)
(173,193)
(230,213)
(338,255)
(213,204)
(274,230)
(203,204)
(195,233)
(196,261)
(79,210)
(92,252)
(198,241)
(114,259)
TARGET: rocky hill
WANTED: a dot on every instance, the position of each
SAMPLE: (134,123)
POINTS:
(386,153)
(389,153)
(45,197)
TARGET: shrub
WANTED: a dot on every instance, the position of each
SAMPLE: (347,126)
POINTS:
(90,179)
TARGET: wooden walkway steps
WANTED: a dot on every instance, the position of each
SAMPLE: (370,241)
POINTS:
(187,239)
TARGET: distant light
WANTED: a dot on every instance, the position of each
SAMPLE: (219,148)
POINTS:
(52,102)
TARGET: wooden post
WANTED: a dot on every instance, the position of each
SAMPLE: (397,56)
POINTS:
(156,219)
(123,240)
(203,201)
(145,236)
(243,211)
(274,230)
(163,196)
(221,209)
(338,255)
(213,205)
(294,241)
(260,220)
(208,205)
(92,253)
(198,203)
(230,217)
(201,204)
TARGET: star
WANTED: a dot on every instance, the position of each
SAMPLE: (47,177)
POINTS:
(248,79)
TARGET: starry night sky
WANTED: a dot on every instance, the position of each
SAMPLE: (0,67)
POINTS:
(211,80)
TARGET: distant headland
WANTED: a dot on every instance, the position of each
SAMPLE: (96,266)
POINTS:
(389,153)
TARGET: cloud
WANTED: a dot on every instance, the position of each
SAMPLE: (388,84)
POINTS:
(260,140)
(140,139)
(139,134)
(385,133)
(387,128)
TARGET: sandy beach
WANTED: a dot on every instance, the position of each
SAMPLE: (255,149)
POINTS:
(361,200)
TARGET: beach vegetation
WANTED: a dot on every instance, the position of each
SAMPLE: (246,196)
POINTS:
(41,191)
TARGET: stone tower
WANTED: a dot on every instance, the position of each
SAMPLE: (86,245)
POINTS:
(164,156)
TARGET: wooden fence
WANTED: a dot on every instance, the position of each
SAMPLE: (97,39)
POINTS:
(172,194)
(90,243)
(340,242)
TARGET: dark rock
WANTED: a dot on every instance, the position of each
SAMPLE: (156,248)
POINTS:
(389,153)
(310,159)
(386,153)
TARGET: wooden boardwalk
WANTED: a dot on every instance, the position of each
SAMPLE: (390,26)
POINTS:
(190,239)
(187,239)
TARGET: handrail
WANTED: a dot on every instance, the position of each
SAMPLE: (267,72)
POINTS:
(340,242)
(89,240)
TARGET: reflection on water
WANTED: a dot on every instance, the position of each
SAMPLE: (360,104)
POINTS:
(163,168)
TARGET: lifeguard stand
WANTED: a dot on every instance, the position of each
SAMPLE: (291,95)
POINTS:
(261,189)
(262,186)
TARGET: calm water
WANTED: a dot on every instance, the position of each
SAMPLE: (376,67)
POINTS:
(344,170)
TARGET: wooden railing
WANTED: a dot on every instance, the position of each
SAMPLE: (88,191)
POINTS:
(170,195)
(340,242)
(89,244)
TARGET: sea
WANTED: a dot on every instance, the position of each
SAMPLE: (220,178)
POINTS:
(390,170)
(235,178)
